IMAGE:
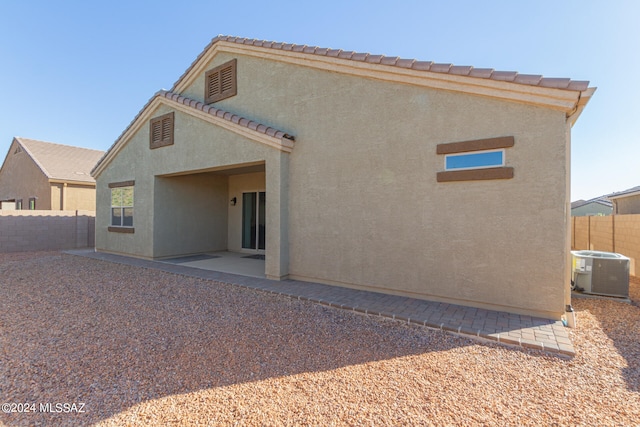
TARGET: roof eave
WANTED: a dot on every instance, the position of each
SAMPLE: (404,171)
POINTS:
(554,93)
(620,196)
(584,98)
(260,133)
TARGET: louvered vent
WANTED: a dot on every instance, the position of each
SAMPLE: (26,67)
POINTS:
(221,82)
(213,85)
(161,132)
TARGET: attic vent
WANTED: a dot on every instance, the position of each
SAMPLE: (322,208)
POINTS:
(161,131)
(17,150)
(221,82)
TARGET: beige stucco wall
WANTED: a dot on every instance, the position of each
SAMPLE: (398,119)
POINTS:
(627,205)
(73,197)
(162,177)
(21,178)
(190,214)
(357,203)
(365,207)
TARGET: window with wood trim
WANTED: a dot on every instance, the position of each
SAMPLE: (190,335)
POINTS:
(480,159)
(161,131)
(221,82)
(121,206)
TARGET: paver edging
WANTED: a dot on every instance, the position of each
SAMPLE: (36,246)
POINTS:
(560,348)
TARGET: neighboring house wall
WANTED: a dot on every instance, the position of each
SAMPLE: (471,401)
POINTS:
(22,179)
(46,230)
(627,205)
(592,209)
(73,197)
(357,199)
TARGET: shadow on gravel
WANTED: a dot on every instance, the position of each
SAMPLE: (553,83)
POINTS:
(621,322)
(75,330)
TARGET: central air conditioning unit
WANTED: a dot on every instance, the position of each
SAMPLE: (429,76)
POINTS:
(601,273)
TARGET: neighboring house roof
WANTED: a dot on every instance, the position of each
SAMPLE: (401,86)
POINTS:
(61,162)
(562,94)
(626,193)
(599,200)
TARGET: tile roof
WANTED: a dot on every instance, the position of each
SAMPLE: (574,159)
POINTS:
(62,162)
(602,200)
(394,61)
(625,193)
(217,112)
(207,109)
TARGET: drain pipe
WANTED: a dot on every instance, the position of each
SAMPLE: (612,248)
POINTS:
(569,317)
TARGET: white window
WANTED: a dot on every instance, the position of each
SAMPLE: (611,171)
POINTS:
(122,206)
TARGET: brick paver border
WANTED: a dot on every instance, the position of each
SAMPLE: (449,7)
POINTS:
(498,326)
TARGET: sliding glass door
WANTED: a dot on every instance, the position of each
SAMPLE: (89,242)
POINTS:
(253,220)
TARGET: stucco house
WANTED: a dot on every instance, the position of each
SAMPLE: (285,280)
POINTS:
(596,206)
(626,202)
(447,183)
(39,175)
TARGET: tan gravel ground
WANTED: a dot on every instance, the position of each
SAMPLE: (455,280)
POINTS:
(142,347)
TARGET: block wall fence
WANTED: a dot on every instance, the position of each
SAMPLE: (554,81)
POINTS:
(46,230)
(613,233)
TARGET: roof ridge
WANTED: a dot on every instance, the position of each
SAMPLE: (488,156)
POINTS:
(22,139)
(59,161)
(395,61)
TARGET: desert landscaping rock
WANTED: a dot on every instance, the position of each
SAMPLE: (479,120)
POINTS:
(144,347)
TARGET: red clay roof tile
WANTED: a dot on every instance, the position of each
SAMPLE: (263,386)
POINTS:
(359,57)
(557,83)
(461,70)
(389,60)
(578,85)
(422,65)
(528,79)
(374,59)
(405,63)
(483,73)
(346,54)
(507,76)
(441,68)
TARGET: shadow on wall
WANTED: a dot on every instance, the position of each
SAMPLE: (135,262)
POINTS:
(22,231)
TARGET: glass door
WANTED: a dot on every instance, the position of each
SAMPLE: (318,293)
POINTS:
(253,220)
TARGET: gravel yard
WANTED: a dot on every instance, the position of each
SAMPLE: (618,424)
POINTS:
(143,347)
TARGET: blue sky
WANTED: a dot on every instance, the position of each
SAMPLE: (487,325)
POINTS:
(77,72)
